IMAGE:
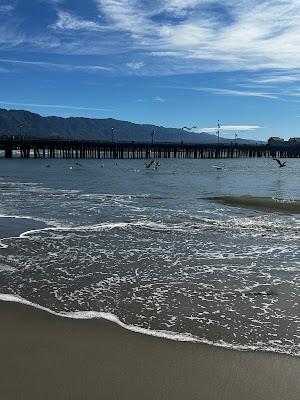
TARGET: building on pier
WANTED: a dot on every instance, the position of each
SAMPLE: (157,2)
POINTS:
(294,140)
(276,141)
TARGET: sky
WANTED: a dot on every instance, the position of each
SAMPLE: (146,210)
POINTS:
(172,63)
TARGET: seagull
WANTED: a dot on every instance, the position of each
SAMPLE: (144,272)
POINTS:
(77,163)
(149,165)
(157,164)
(218,167)
(189,129)
(281,164)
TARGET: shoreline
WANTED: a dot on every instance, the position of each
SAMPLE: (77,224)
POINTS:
(50,357)
(161,334)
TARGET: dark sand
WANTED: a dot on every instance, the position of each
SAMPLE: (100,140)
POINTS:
(10,226)
(48,357)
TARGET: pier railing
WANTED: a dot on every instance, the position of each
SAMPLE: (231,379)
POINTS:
(60,148)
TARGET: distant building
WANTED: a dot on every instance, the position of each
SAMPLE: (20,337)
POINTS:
(294,140)
(276,141)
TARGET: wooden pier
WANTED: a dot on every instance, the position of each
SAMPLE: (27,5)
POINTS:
(57,148)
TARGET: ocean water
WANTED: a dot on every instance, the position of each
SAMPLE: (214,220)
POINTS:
(183,251)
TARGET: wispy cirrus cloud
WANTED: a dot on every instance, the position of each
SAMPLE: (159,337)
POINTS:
(216,35)
(57,106)
(6,8)
(135,65)
(10,37)
(67,21)
(57,66)
(230,128)
(160,99)
(179,36)
(225,91)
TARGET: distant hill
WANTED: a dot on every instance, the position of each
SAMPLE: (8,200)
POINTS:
(36,126)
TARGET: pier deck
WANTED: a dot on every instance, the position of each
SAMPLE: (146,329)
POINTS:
(49,148)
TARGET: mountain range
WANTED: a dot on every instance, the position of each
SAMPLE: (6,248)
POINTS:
(30,125)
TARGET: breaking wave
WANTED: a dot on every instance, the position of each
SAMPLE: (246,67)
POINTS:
(270,204)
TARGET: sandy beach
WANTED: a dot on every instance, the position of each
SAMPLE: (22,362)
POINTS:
(48,357)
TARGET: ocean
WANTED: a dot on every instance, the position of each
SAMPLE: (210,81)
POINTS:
(184,251)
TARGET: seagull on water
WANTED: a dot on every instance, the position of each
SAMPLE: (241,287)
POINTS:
(218,167)
(189,129)
(281,164)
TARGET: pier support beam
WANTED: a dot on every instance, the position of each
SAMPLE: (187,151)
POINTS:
(8,152)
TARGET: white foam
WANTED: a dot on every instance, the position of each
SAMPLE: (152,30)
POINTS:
(6,268)
(20,217)
(186,337)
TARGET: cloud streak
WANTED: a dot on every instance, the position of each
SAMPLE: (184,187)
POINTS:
(159,99)
(229,34)
(226,92)
(50,65)
(56,106)
(67,21)
(6,8)
(230,128)
(178,36)
(135,65)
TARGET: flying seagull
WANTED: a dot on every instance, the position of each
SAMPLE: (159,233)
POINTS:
(281,164)
(149,165)
(189,129)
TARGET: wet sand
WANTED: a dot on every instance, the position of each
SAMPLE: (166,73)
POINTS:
(48,357)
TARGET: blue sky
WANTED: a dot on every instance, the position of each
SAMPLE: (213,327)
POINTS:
(170,63)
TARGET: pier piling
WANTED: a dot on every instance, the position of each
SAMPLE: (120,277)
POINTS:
(49,148)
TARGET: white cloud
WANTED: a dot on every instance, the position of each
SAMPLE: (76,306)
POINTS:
(276,78)
(6,8)
(242,35)
(127,15)
(160,99)
(233,92)
(181,36)
(9,35)
(135,65)
(67,21)
(67,107)
(226,92)
(50,65)
(230,128)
